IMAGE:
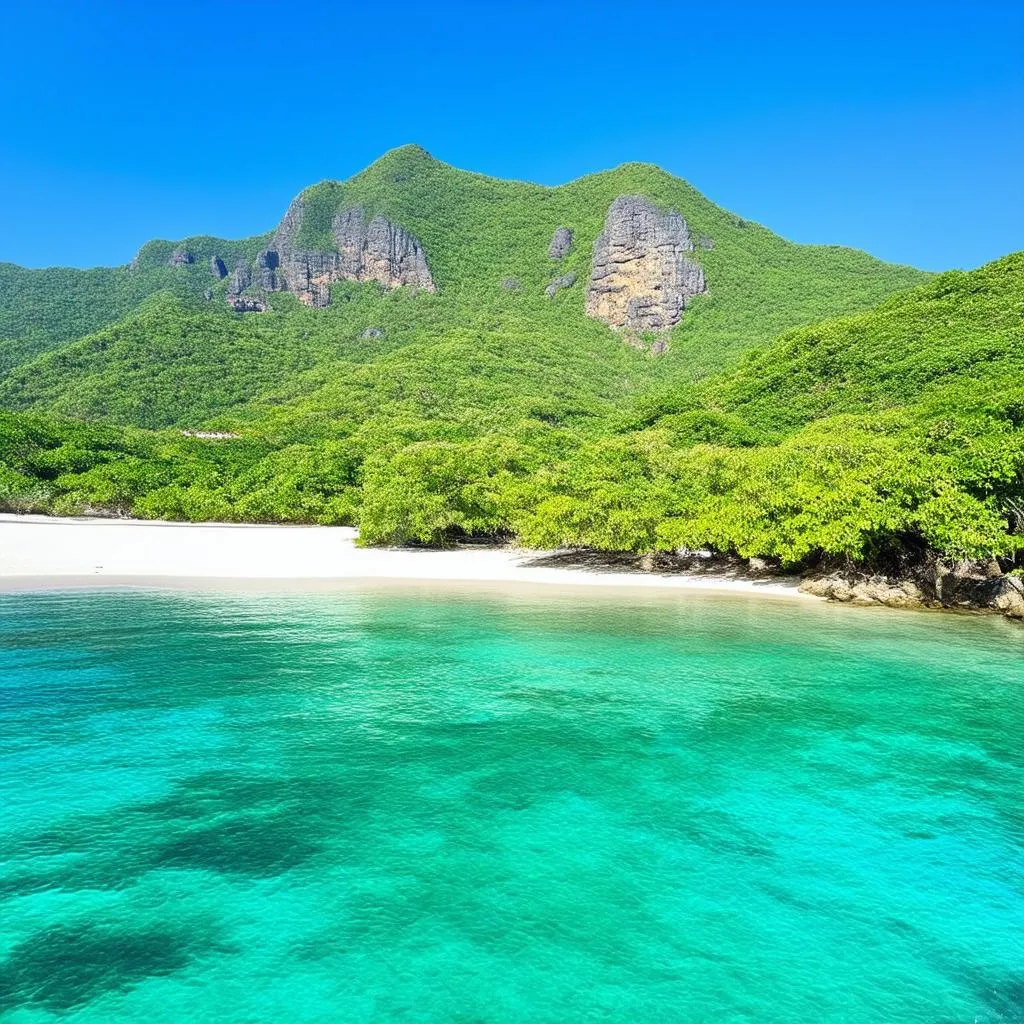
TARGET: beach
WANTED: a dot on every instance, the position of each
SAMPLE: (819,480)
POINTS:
(37,550)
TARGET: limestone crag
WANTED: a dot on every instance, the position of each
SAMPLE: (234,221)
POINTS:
(641,278)
(181,258)
(561,243)
(217,268)
(389,254)
(246,304)
(241,278)
(306,272)
(266,271)
(378,251)
(565,281)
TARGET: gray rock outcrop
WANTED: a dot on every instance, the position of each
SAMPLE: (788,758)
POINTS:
(376,251)
(372,333)
(561,243)
(866,591)
(959,587)
(565,281)
(512,284)
(217,268)
(246,304)
(241,278)
(181,258)
(266,271)
(642,278)
(1006,595)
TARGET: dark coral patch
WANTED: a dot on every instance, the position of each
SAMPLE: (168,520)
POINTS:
(259,846)
(64,967)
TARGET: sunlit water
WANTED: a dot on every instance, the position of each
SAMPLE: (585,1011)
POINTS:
(409,807)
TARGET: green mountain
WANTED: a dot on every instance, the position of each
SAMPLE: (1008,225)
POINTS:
(866,437)
(43,309)
(180,359)
(614,363)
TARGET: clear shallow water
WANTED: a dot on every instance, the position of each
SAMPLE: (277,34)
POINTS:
(397,807)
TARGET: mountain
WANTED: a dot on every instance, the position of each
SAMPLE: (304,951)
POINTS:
(614,363)
(957,340)
(872,436)
(412,251)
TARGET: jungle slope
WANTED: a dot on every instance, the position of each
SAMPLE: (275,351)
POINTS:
(900,427)
(159,354)
(875,438)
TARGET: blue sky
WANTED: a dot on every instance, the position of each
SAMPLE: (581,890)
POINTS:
(896,128)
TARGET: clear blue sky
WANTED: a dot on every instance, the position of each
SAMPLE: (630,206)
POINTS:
(896,128)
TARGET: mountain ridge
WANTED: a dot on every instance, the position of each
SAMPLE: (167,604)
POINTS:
(887,441)
(614,363)
(477,232)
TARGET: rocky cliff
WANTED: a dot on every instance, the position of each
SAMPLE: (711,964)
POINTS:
(376,251)
(641,277)
(241,278)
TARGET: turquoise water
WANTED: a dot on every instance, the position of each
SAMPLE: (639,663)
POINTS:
(409,807)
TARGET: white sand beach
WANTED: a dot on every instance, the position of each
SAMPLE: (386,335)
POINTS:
(41,549)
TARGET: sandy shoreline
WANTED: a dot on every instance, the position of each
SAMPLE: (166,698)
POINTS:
(41,552)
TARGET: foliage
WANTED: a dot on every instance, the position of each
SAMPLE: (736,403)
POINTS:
(179,359)
(432,490)
(43,309)
(958,328)
(487,412)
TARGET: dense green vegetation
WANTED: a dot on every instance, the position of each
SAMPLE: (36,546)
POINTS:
(960,330)
(895,425)
(41,309)
(899,428)
(180,359)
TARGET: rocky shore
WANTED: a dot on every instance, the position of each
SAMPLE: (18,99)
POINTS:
(927,583)
(962,588)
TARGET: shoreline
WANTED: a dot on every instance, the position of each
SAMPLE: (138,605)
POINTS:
(43,552)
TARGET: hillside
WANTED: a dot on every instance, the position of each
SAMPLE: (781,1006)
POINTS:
(871,436)
(962,330)
(162,344)
(874,437)
(613,363)
(42,309)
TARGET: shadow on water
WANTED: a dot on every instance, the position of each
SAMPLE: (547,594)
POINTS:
(258,847)
(63,967)
(1003,994)
(215,822)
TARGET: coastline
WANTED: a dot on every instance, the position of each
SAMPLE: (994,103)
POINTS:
(42,552)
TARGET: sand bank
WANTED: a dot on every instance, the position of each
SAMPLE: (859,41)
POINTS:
(124,550)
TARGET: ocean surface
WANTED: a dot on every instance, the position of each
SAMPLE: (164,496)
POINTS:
(411,806)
